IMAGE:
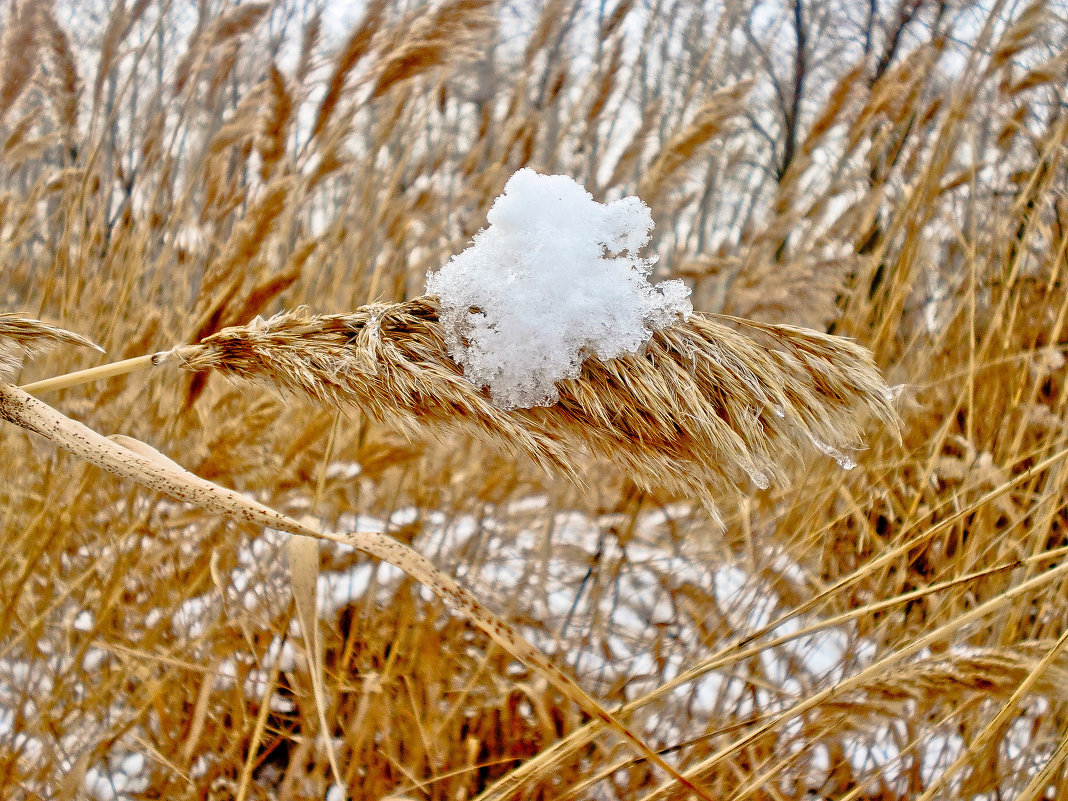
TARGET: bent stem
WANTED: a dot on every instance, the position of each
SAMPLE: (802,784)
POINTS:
(138,462)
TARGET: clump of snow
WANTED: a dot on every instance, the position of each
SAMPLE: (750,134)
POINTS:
(553,279)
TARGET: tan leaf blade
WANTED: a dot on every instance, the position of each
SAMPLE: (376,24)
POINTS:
(303,555)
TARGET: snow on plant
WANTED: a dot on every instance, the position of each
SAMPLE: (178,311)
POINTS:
(553,279)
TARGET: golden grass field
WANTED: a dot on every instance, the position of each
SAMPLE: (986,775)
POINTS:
(360,579)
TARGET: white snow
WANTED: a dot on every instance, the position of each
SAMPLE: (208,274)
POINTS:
(553,279)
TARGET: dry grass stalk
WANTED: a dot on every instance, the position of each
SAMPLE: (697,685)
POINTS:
(225,34)
(242,123)
(19,134)
(237,21)
(1021,34)
(632,153)
(953,678)
(276,123)
(606,83)
(843,94)
(308,40)
(706,406)
(23,336)
(66,85)
(552,17)
(247,239)
(615,19)
(119,25)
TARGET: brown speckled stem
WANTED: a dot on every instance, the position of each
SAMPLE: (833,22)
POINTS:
(164,476)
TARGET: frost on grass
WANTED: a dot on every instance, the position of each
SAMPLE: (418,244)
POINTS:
(554,278)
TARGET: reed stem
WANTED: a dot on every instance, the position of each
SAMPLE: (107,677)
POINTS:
(86,376)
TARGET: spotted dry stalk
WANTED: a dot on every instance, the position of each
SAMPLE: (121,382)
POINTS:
(24,336)
(707,405)
(138,462)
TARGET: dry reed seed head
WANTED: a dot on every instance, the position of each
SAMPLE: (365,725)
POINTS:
(309,39)
(449,34)
(18,54)
(710,121)
(24,336)
(356,47)
(952,679)
(276,123)
(706,407)
(238,21)
(119,25)
(65,86)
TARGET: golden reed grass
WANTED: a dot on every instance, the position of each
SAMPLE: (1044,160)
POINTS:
(921,215)
(702,407)
(141,463)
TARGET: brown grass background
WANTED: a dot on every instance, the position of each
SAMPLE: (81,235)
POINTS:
(170,169)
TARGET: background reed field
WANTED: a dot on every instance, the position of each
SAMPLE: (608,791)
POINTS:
(892,172)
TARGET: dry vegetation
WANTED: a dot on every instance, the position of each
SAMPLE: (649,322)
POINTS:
(170,171)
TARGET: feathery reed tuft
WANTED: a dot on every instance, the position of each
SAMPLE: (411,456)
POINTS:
(18,54)
(705,406)
(24,336)
(710,121)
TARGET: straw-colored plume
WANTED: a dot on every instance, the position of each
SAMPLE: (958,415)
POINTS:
(66,86)
(308,41)
(276,123)
(248,238)
(981,674)
(24,336)
(238,21)
(708,405)
(1022,34)
(18,54)
(606,83)
(447,35)
(552,15)
(633,151)
(615,19)
(709,122)
(355,48)
(224,34)
(119,25)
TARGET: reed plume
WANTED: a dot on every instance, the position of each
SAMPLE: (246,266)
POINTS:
(24,336)
(708,404)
